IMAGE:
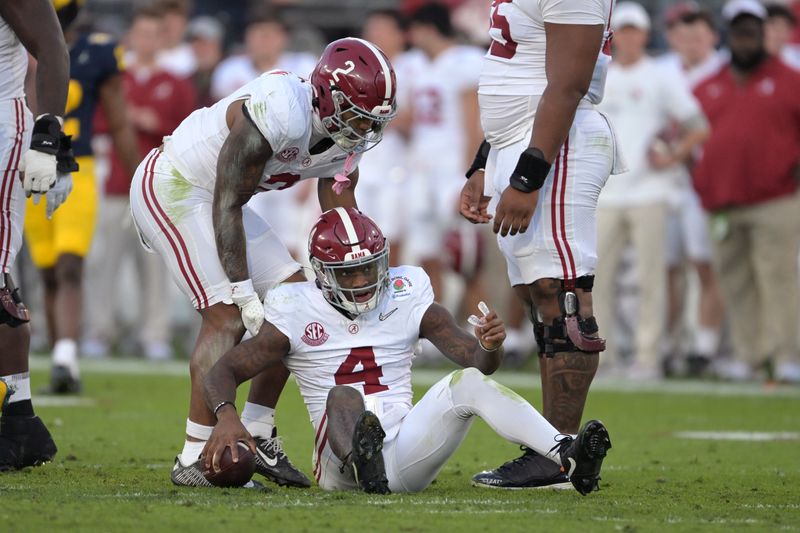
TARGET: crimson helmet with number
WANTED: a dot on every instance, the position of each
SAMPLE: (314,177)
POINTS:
(355,76)
(347,245)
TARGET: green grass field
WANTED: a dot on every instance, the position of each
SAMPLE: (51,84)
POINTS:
(117,443)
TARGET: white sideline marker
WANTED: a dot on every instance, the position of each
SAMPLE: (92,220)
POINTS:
(746,436)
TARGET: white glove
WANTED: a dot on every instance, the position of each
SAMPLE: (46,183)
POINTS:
(58,194)
(245,297)
(39,170)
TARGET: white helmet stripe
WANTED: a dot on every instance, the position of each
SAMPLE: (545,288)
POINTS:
(387,72)
(352,236)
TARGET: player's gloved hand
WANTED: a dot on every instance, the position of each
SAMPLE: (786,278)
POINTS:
(58,194)
(39,162)
(489,329)
(245,297)
(227,432)
(473,204)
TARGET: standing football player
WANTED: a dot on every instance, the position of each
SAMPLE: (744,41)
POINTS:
(348,338)
(26,26)
(551,153)
(60,241)
(188,202)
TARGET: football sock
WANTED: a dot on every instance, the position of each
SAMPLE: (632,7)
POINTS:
(65,353)
(706,341)
(18,390)
(258,420)
(192,449)
(506,412)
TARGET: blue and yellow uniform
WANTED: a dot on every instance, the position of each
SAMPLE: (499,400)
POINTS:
(94,58)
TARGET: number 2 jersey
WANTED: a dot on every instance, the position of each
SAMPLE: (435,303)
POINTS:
(371,353)
(279,104)
(515,62)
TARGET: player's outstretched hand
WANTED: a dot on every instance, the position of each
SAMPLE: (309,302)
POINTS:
(514,211)
(228,431)
(473,203)
(489,329)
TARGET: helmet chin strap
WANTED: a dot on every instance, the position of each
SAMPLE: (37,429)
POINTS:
(318,130)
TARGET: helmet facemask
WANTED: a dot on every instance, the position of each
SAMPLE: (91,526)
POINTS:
(342,130)
(354,300)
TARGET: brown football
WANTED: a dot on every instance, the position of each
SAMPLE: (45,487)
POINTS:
(232,474)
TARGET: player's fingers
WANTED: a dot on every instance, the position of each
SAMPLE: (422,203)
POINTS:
(497,331)
(234,446)
(215,460)
(251,443)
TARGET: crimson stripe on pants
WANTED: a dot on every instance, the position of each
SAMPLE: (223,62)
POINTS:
(565,170)
(157,212)
(317,448)
(554,211)
(6,229)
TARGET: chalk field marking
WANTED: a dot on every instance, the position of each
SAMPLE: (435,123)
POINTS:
(426,377)
(746,436)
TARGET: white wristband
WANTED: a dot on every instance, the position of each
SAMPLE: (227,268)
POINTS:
(241,290)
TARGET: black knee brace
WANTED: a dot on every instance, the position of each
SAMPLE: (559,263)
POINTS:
(570,332)
(12,310)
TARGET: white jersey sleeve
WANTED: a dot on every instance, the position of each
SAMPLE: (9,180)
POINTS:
(272,108)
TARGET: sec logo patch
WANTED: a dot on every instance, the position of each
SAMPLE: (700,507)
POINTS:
(314,334)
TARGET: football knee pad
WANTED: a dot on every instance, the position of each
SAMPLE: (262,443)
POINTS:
(570,332)
(12,310)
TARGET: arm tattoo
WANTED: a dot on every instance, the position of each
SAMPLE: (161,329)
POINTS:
(243,362)
(239,168)
(456,344)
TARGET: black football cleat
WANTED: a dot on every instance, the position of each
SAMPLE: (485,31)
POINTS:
(529,471)
(583,456)
(367,454)
(192,476)
(273,464)
(24,441)
(63,382)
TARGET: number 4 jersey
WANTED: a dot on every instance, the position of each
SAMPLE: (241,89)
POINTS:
(371,353)
(515,62)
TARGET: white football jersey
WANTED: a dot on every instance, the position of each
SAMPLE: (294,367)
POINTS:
(13,63)
(515,61)
(371,353)
(279,103)
(438,140)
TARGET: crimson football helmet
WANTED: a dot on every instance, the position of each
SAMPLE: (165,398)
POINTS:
(354,80)
(350,257)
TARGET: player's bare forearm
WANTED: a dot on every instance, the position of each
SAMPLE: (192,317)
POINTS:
(439,327)
(572,52)
(121,130)
(239,168)
(36,25)
(243,362)
(328,199)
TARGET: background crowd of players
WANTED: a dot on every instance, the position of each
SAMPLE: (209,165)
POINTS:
(689,286)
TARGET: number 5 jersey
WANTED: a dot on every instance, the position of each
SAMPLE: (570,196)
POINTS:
(371,353)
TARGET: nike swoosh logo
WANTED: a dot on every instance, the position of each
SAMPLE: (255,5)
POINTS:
(383,317)
(271,461)
(572,466)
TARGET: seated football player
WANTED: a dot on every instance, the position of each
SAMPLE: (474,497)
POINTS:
(348,338)
(190,202)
